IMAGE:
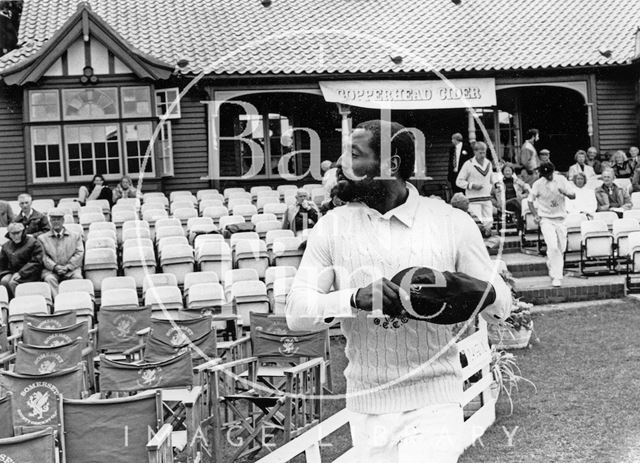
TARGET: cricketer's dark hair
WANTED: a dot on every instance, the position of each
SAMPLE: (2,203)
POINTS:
(402,144)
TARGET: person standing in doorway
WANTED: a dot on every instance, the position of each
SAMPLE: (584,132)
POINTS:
(549,193)
(459,153)
(529,160)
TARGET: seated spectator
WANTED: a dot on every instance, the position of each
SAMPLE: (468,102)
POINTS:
(332,202)
(610,196)
(460,201)
(124,189)
(6,214)
(605,160)
(63,252)
(96,190)
(301,215)
(20,258)
(544,156)
(620,165)
(515,190)
(585,201)
(634,159)
(581,166)
(592,161)
(35,223)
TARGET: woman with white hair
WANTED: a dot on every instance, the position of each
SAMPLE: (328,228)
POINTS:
(581,166)
(585,201)
(620,165)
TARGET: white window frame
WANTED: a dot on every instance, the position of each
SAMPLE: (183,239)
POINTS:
(33,156)
(67,91)
(176,111)
(32,118)
(132,116)
(84,178)
(124,157)
(166,149)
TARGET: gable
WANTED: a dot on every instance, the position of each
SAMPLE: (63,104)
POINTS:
(73,61)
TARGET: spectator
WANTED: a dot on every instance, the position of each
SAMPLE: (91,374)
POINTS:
(544,156)
(529,157)
(581,166)
(96,190)
(547,204)
(460,201)
(459,153)
(635,180)
(634,160)
(63,252)
(333,202)
(20,258)
(585,201)
(301,215)
(515,190)
(610,196)
(620,165)
(124,189)
(592,160)
(605,160)
(35,223)
(6,214)
(477,179)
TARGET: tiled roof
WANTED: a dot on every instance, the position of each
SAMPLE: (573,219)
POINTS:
(354,36)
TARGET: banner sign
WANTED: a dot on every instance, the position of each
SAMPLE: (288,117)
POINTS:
(412,94)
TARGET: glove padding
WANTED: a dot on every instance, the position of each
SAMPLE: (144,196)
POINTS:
(443,298)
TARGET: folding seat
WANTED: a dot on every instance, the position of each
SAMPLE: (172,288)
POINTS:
(174,195)
(621,230)
(119,217)
(286,251)
(166,232)
(135,224)
(134,234)
(199,239)
(178,260)
(74,228)
(273,235)
(146,438)
(70,204)
(168,222)
(153,194)
(158,279)
(281,189)
(99,264)
(199,226)
(264,200)
(70,286)
(263,228)
(235,202)
(281,288)
(202,195)
(180,205)
(137,243)
(138,262)
(40,360)
(241,236)
(214,256)
(160,199)
(233,276)
(279,209)
(227,192)
(169,241)
(276,273)
(597,245)
(103,204)
(215,212)
(102,233)
(54,320)
(87,218)
(163,299)
(79,302)
(102,226)
(251,254)
(135,203)
(631,214)
(205,203)
(635,199)
(35,288)
(39,445)
(249,296)
(607,217)
(90,210)
(119,298)
(229,220)
(255,190)
(153,215)
(124,282)
(574,234)
(257,218)
(148,207)
(95,243)
(194,278)
(21,305)
(43,205)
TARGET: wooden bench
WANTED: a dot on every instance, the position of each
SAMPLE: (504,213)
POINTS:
(475,348)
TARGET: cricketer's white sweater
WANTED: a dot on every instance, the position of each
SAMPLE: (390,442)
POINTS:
(474,173)
(390,369)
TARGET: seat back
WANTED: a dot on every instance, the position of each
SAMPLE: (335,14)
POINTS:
(34,288)
(77,285)
(37,446)
(21,305)
(271,338)
(43,336)
(58,319)
(229,220)
(121,297)
(169,337)
(117,328)
(158,279)
(607,217)
(111,283)
(42,360)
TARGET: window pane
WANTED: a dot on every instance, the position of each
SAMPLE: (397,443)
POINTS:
(74,151)
(101,166)
(85,134)
(114,166)
(55,169)
(132,166)
(136,101)
(40,152)
(41,170)
(85,150)
(112,149)
(132,149)
(53,136)
(101,150)
(164,99)
(96,103)
(44,105)
(87,167)
(74,168)
(54,152)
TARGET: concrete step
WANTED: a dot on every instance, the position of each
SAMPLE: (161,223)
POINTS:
(538,289)
(510,245)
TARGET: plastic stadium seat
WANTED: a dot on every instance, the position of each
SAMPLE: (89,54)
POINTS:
(201,225)
(311,186)
(100,264)
(161,298)
(574,235)
(199,239)
(206,193)
(168,222)
(75,228)
(263,201)
(238,201)
(255,190)
(635,199)
(94,243)
(181,205)
(621,230)
(21,305)
(273,235)
(102,226)
(158,279)
(148,207)
(69,218)
(155,198)
(195,278)
(263,228)
(281,288)
(209,203)
(138,262)
(257,218)
(286,251)
(178,260)
(154,215)
(39,288)
(87,218)
(276,273)
(279,210)
(103,204)
(214,256)
(184,214)
(137,243)
(169,241)
(229,191)
(128,202)
(165,232)
(14,207)
(206,295)
(134,224)
(242,236)
(245,210)
(607,217)
(249,296)
(215,212)
(318,196)
(70,204)
(79,302)
(251,254)
(233,276)
(597,240)
(104,233)
(136,234)
(43,205)
(125,282)
(122,215)
(120,298)
(230,219)
(282,189)
(71,286)
(174,195)
(631,214)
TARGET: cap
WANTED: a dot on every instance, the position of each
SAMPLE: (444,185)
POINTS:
(546,168)
(442,298)
(56,212)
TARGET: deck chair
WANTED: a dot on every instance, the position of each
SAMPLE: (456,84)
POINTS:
(621,230)
(118,327)
(34,396)
(6,417)
(42,360)
(56,320)
(43,336)
(115,430)
(39,446)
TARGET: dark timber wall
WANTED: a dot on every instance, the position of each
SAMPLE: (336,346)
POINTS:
(617,120)
(12,150)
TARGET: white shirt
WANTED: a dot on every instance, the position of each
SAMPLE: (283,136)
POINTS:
(548,199)
(585,201)
(458,153)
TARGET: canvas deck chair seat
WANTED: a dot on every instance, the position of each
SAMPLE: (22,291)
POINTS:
(6,415)
(118,327)
(174,377)
(34,396)
(122,430)
(39,446)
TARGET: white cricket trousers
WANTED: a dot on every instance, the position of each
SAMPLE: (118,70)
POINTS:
(555,236)
(483,210)
(431,434)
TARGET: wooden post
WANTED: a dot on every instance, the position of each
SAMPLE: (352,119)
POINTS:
(471,126)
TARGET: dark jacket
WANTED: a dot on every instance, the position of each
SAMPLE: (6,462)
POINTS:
(6,214)
(36,224)
(24,258)
(465,155)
